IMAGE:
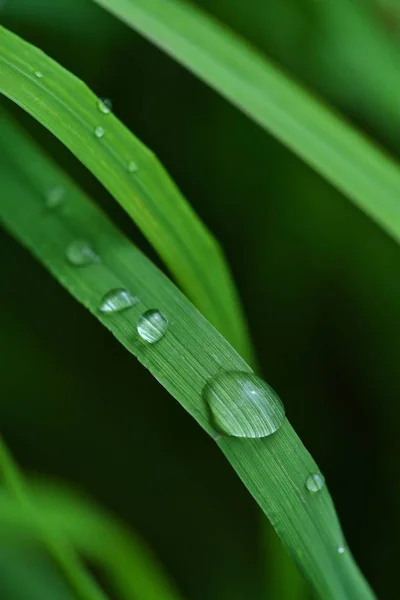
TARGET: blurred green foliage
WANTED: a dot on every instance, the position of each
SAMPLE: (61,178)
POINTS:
(319,283)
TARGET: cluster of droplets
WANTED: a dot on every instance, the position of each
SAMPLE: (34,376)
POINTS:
(104,105)
(257,411)
(56,194)
(151,325)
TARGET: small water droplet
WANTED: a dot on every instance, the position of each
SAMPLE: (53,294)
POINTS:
(80,253)
(152,325)
(132,166)
(315,482)
(55,196)
(99,132)
(341,549)
(243,405)
(117,300)
(39,74)
(104,105)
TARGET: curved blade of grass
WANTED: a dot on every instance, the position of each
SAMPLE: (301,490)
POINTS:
(62,514)
(63,104)
(81,582)
(275,468)
(359,169)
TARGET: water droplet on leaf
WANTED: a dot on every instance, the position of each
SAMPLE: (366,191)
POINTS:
(55,196)
(152,326)
(80,253)
(104,105)
(341,549)
(99,132)
(132,166)
(117,300)
(39,74)
(243,405)
(315,482)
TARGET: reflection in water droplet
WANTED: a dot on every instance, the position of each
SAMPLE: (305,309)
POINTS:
(55,196)
(243,405)
(99,132)
(117,300)
(315,482)
(80,253)
(152,325)
(104,105)
(341,549)
(39,74)
(132,166)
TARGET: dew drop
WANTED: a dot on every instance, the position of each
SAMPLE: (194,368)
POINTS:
(104,105)
(315,482)
(99,132)
(38,74)
(117,300)
(152,325)
(55,196)
(243,405)
(80,253)
(341,549)
(132,166)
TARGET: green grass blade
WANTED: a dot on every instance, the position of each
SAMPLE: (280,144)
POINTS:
(63,104)
(68,562)
(96,535)
(274,468)
(256,86)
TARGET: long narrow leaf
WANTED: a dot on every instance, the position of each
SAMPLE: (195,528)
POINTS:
(131,173)
(255,85)
(190,354)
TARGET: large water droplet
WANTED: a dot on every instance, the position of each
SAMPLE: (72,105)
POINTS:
(132,166)
(80,253)
(315,482)
(152,325)
(99,132)
(104,105)
(55,196)
(117,300)
(39,74)
(243,405)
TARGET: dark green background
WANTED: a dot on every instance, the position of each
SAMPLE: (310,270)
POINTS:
(319,282)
